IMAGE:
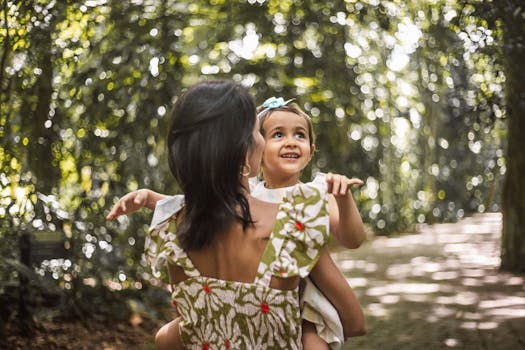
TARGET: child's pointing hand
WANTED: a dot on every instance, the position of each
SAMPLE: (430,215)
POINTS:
(339,185)
(131,202)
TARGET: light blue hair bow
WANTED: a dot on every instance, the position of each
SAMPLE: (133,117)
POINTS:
(273,103)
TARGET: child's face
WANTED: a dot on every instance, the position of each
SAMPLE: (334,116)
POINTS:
(288,149)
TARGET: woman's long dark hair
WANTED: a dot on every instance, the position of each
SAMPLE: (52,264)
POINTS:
(209,135)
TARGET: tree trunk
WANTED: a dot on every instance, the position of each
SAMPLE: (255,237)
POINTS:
(40,155)
(513,240)
(25,315)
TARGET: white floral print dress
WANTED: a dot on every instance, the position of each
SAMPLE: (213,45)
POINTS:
(219,314)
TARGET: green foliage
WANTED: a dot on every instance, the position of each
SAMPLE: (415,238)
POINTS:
(405,95)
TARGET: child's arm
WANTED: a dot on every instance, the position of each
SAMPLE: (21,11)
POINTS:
(345,221)
(134,201)
(331,282)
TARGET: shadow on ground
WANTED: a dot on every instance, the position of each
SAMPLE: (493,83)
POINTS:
(438,289)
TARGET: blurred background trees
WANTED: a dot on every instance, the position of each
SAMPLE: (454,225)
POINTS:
(413,97)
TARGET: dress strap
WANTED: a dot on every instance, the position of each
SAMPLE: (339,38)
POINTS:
(162,244)
(264,270)
(299,233)
(178,256)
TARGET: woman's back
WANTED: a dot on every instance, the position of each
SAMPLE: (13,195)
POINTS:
(236,253)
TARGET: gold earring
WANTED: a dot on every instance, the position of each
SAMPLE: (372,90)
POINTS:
(247,172)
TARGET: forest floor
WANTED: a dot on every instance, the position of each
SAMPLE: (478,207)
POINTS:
(437,289)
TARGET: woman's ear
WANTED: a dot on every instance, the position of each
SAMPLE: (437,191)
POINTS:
(312,150)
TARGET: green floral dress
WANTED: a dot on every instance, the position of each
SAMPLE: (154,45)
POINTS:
(219,314)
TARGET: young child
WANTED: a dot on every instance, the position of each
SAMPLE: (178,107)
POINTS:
(290,145)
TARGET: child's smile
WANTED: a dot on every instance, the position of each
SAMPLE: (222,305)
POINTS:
(290,155)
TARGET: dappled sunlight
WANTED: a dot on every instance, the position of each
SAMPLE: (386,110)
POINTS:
(488,325)
(469,325)
(452,238)
(515,281)
(473,272)
(479,325)
(401,242)
(491,279)
(472,282)
(472,316)
(420,266)
(443,311)
(507,313)
(445,300)
(376,310)
(461,298)
(404,288)
(451,342)
(503,306)
(417,298)
(473,228)
(466,298)
(474,254)
(445,275)
(444,284)
(398,271)
(357,282)
(389,299)
(348,265)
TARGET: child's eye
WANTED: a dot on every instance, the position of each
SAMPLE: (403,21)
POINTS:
(277,135)
(300,135)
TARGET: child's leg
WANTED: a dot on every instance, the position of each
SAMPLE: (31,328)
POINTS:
(168,336)
(310,339)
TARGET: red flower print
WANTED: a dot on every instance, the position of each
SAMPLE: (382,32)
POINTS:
(299,225)
(227,343)
(205,346)
(206,289)
(174,303)
(265,308)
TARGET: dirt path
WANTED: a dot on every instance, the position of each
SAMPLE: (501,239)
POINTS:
(439,289)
